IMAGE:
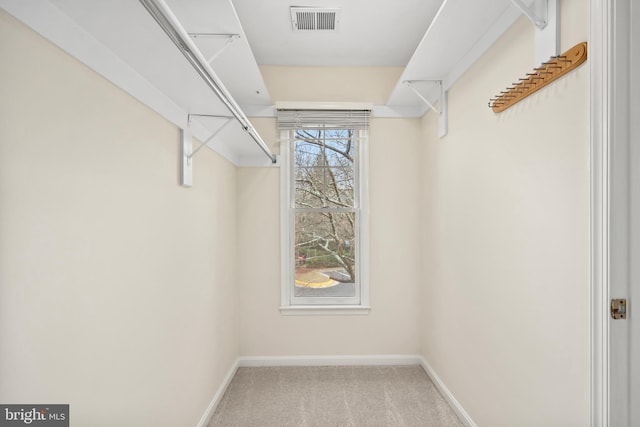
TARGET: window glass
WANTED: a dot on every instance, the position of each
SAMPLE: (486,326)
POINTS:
(325,253)
(325,216)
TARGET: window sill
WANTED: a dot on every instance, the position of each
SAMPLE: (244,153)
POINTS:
(325,310)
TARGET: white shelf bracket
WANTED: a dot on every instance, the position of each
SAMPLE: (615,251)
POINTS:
(443,123)
(538,13)
(187,147)
(230,39)
(544,15)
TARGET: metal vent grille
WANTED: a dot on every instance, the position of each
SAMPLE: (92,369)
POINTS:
(314,19)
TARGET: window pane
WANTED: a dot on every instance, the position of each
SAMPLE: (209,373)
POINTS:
(324,168)
(324,187)
(339,187)
(308,152)
(332,147)
(325,254)
(310,191)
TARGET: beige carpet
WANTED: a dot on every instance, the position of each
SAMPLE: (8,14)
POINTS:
(385,396)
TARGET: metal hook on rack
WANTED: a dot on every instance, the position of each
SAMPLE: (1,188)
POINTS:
(542,75)
(561,58)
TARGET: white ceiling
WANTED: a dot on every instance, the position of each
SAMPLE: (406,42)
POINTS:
(371,33)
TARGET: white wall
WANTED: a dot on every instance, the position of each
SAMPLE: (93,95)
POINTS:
(318,84)
(391,326)
(117,286)
(505,238)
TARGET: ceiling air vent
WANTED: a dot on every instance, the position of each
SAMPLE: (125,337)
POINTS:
(314,19)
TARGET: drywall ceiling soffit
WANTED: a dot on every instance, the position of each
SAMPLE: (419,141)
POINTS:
(459,34)
(122,42)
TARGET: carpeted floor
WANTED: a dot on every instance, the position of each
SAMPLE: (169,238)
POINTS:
(331,396)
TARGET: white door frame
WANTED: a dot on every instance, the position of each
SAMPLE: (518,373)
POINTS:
(599,54)
(608,79)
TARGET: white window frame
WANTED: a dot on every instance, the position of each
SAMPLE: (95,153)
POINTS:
(290,304)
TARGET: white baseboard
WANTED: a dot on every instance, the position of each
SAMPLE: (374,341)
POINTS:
(206,417)
(374,360)
(371,360)
(455,405)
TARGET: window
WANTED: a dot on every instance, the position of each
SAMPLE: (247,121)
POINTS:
(324,215)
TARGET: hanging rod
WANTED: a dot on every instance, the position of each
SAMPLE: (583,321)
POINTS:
(172,27)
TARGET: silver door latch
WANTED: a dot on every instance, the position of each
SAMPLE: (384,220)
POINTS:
(619,308)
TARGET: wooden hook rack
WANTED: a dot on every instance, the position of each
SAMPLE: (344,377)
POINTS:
(549,71)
